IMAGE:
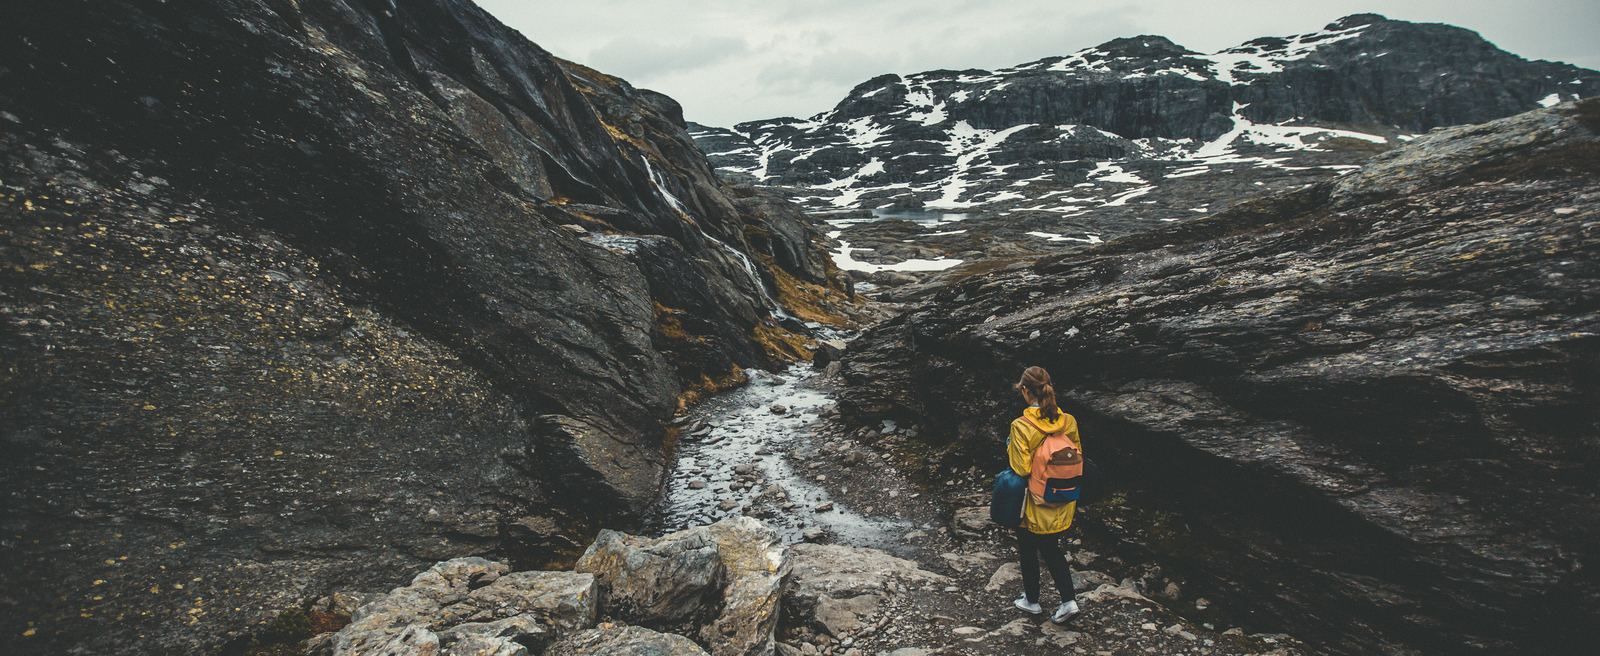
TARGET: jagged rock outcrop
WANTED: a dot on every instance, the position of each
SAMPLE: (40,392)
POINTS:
(465,605)
(1377,392)
(673,579)
(727,578)
(299,296)
(1068,151)
(758,566)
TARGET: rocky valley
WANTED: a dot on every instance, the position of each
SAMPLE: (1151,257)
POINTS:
(370,327)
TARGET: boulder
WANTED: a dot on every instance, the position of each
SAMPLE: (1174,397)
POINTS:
(624,641)
(836,588)
(411,640)
(1010,573)
(645,581)
(758,566)
(474,600)
(971,521)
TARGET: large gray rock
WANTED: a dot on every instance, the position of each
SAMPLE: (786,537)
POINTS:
(758,567)
(731,575)
(836,588)
(655,581)
(1380,396)
(474,603)
(624,641)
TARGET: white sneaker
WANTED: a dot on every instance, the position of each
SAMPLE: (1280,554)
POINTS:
(1028,606)
(1066,612)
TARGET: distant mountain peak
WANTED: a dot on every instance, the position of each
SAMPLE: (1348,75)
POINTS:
(1142,45)
(1140,131)
(1355,20)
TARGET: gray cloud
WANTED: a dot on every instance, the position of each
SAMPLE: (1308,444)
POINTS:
(634,57)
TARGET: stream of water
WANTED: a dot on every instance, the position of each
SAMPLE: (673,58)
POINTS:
(740,428)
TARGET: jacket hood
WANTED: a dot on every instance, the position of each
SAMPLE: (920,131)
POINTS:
(1032,412)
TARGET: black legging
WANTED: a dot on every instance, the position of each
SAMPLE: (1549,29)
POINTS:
(1030,546)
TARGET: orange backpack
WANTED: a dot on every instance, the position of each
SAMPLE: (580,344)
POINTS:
(1057,469)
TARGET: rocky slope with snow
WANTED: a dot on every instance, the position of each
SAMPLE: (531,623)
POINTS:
(1131,134)
(1365,410)
(295,295)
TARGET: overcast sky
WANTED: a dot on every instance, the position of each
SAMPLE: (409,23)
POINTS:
(738,60)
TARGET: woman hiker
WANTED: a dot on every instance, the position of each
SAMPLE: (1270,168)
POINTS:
(1039,534)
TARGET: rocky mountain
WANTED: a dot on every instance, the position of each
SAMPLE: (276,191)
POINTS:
(303,295)
(1366,410)
(1129,135)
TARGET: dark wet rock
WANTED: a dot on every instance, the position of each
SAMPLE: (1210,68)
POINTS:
(303,285)
(1377,392)
(645,581)
(625,641)
(827,352)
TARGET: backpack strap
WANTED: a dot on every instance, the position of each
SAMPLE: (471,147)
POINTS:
(1046,433)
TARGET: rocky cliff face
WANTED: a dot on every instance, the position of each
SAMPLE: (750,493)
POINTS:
(1367,409)
(310,294)
(1134,133)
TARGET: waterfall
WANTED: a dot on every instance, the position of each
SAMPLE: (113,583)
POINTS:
(772,305)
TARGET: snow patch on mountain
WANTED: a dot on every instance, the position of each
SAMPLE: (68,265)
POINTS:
(1266,56)
(1131,133)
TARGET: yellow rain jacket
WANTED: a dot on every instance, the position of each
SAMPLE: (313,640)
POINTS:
(1020,447)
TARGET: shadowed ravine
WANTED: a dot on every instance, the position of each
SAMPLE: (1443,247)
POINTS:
(301,300)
